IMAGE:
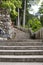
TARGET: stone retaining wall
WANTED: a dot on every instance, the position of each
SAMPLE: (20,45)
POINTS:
(34,35)
(6,24)
(39,34)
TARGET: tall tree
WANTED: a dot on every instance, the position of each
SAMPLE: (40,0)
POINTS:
(41,13)
(24,13)
(41,9)
(18,18)
(18,7)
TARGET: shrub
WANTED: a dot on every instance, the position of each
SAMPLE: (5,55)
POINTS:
(34,23)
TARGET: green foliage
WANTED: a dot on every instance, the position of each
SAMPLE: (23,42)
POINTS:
(11,5)
(34,23)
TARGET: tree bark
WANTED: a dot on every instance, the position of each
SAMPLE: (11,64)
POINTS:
(24,13)
(18,19)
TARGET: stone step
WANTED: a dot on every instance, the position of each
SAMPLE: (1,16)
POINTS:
(21,52)
(26,40)
(21,63)
(9,43)
(21,58)
(21,47)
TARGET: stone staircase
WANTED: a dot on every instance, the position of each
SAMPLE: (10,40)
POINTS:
(23,50)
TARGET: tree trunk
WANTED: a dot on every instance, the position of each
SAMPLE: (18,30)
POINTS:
(18,19)
(24,13)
